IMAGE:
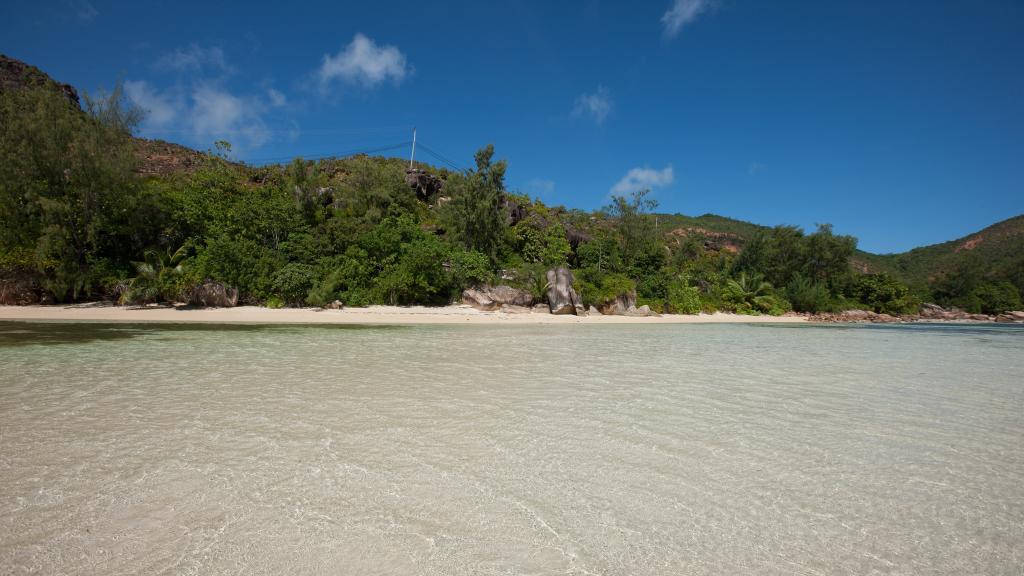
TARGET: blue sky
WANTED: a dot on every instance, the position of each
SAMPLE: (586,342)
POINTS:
(901,123)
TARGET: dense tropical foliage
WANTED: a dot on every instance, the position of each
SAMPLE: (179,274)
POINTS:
(77,215)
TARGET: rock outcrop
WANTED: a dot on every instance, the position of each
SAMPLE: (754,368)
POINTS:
(20,289)
(214,294)
(855,316)
(562,297)
(936,312)
(1016,317)
(16,75)
(489,298)
(643,311)
(160,158)
(620,305)
(425,184)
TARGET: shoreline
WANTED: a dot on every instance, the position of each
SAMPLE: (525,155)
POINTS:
(371,315)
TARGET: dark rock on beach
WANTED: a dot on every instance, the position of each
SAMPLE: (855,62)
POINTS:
(20,289)
(214,294)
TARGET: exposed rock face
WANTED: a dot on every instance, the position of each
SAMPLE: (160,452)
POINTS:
(855,316)
(574,236)
(929,313)
(19,290)
(1008,317)
(620,305)
(936,312)
(212,293)
(515,212)
(336,305)
(425,185)
(15,74)
(562,297)
(489,298)
(715,241)
(158,158)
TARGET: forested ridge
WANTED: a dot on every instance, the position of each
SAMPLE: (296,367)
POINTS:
(90,212)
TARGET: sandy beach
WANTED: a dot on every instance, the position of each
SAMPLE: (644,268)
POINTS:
(453,314)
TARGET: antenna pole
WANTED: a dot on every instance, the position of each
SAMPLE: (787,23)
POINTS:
(413,155)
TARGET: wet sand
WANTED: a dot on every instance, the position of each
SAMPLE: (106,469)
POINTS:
(454,314)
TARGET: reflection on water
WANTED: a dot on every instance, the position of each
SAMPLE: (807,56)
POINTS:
(139,449)
(14,333)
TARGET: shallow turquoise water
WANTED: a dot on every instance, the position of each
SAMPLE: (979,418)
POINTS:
(710,449)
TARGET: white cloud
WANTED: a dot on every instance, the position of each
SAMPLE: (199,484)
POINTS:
(363,62)
(597,105)
(219,115)
(681,13)
(160,109)
(277,99)
(194,58)
(641,178)
(755,167)
(204,115)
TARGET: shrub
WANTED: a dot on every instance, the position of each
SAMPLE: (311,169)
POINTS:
(293,283)
(241,263)
(882,293)
(684,299)
(596,289)
(996,298)
(808,296)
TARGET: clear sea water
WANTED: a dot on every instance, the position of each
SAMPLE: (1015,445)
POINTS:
(617,450)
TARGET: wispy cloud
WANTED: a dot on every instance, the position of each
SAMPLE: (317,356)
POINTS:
(217,114)
(85,11)
(193,59)
(203,114)
(200,107)
(161,109)
(641,178)
(681,13)
(596,105)
(277,99)
(75,10)
(755,167)
(364,62)
(539,187)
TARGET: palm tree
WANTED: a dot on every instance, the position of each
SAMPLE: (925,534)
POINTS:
(155,275)
(748,293)
(538,287)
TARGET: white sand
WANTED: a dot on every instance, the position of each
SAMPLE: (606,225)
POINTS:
(454,314)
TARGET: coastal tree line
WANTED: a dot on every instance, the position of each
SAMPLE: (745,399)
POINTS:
(80,220)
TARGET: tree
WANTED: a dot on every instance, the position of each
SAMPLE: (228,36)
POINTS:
(474,217)
(882,293)
(638,237)
(67,186)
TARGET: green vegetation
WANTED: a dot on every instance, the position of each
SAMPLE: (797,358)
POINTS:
(78,216)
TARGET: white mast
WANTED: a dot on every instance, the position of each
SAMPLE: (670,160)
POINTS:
(413,155)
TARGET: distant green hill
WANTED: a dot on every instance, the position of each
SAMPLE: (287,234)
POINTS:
(997,252)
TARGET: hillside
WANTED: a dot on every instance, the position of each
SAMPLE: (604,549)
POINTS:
(156,157)
(352,229)
(998,251)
